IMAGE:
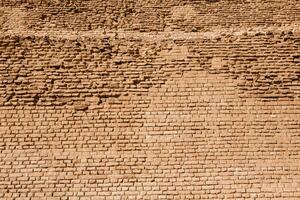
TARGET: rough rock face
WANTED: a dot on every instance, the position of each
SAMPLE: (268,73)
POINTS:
(173,99)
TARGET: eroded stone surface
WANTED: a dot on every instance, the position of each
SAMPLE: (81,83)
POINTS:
(149,99)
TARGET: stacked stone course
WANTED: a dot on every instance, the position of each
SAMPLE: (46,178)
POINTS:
(172,99)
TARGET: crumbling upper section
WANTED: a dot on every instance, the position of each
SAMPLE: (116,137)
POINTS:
(58,52)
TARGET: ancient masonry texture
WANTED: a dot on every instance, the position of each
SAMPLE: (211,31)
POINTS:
(149,99)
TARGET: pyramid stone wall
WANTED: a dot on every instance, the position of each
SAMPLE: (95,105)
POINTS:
(152,99)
